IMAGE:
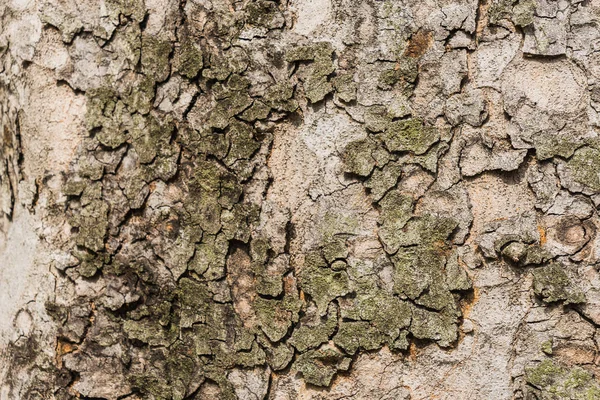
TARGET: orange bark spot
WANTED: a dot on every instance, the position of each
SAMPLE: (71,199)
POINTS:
(63,347)
(412,352)
(542,232)
(469,302)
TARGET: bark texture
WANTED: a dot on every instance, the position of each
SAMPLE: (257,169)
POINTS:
(303,199)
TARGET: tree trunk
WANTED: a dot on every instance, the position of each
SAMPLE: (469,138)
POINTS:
(305,199)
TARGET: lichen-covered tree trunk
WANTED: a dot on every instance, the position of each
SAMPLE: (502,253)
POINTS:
(299,199)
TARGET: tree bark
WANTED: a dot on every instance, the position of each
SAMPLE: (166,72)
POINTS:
(299,199)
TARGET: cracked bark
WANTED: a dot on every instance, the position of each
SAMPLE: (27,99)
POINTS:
(299,199)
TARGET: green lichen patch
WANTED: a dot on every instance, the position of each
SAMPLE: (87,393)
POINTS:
(386,314)
(334,249)
(208,195)
(155,57)
(499,10)
(396,211)
(523,12)
(92,222)
(279,97)
(225,109)
(388,78)
(151,385)
(210,256)
(276,316)
(90,167)
(267,284)
(377,118)
(193,301)
(358,157)
(149,136)
(249,359)
(354,335)
(441,327)
(89,262)
(361,156)
(149,331)
(307,337)
(557,381)
(279,355)
(140,95)
(410,135)
(318,367)
(315,75)
(424,274)
(164,166)
(584,167)
(265,14)
(552,284)
(316,87)
(416,269)
(180,373)
(221,66)
(110,115)
(525,254)
(383,179)
(457,278)
(336,227)
(429,160)
(242,142)
(257,111)
(130,8)
(426,229)
(188,59)
(345,87)
(405,70)
(551,144)
(209,142)
(268,273)
(323,284)
(547,347)
(236,222)
(74,185)
(311,52)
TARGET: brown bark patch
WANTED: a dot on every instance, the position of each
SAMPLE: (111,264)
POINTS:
(574,354)
(419,43)
(242,283)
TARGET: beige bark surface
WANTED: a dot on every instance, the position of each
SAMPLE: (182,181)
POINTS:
(304,199)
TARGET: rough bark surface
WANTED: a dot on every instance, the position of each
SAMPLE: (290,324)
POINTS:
(303,199)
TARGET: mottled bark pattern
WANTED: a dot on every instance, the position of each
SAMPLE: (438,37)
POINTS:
(299,199)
